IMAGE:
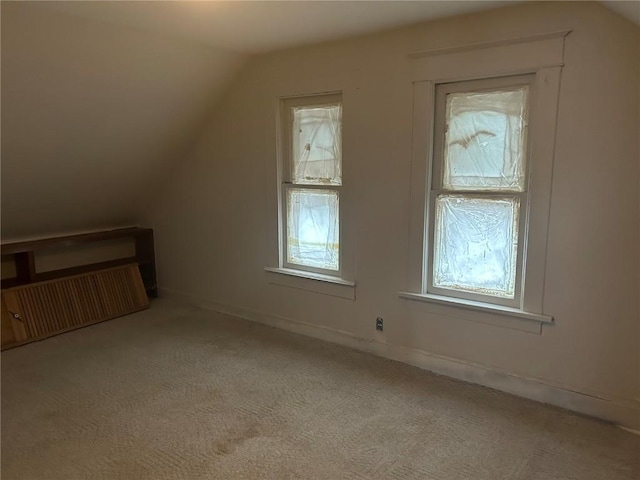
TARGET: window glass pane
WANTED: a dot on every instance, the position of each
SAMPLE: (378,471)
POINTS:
(476,244)
(484,140)
(317,145)
(313,234)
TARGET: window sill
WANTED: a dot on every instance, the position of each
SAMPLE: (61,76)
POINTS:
(312,282)
(534,320)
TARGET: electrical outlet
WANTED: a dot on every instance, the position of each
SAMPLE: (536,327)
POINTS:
(379,324)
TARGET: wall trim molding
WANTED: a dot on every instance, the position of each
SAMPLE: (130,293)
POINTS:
(490,44)
(625,413)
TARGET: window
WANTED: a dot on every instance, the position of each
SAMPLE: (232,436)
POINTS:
(311,184)
(483,146)
(312,213)
(479,192)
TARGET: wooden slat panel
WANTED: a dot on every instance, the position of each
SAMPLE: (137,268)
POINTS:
(61,297)
(8,335)
(55,306)
(24,305)
(19,328)
(92,267)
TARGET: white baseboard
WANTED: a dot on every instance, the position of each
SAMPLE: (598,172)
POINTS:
(625,413)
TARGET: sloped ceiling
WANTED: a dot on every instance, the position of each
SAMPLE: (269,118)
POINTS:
(100,99)
(630,9)
(262,26)
(266,25)
(93,115)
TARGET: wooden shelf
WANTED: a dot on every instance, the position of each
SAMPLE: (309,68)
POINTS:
(71,240)
(24,256)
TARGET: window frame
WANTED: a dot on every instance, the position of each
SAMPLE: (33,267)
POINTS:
(286,180)
(540,54)
(542,132)
(435,187)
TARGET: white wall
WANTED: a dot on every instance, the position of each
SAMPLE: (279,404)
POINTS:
(92,114)
(214,219)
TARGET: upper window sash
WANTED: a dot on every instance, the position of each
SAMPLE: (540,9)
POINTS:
(312,153)
(507,84)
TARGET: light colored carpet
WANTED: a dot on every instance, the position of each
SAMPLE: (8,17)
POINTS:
(179,393)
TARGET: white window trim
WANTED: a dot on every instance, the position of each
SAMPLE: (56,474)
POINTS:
(477,306)
(313,282)
(542,56)
(328,282)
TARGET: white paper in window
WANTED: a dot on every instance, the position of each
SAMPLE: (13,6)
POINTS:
(317,145)
(476,244)
(313,228)
(485,140)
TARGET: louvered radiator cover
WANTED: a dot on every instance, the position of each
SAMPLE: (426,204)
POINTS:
(43,309)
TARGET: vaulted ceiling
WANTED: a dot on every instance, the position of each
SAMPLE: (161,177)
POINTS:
(101,99)
(93,115)
(262,26)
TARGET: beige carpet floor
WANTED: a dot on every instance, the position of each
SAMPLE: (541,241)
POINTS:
(180,393)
